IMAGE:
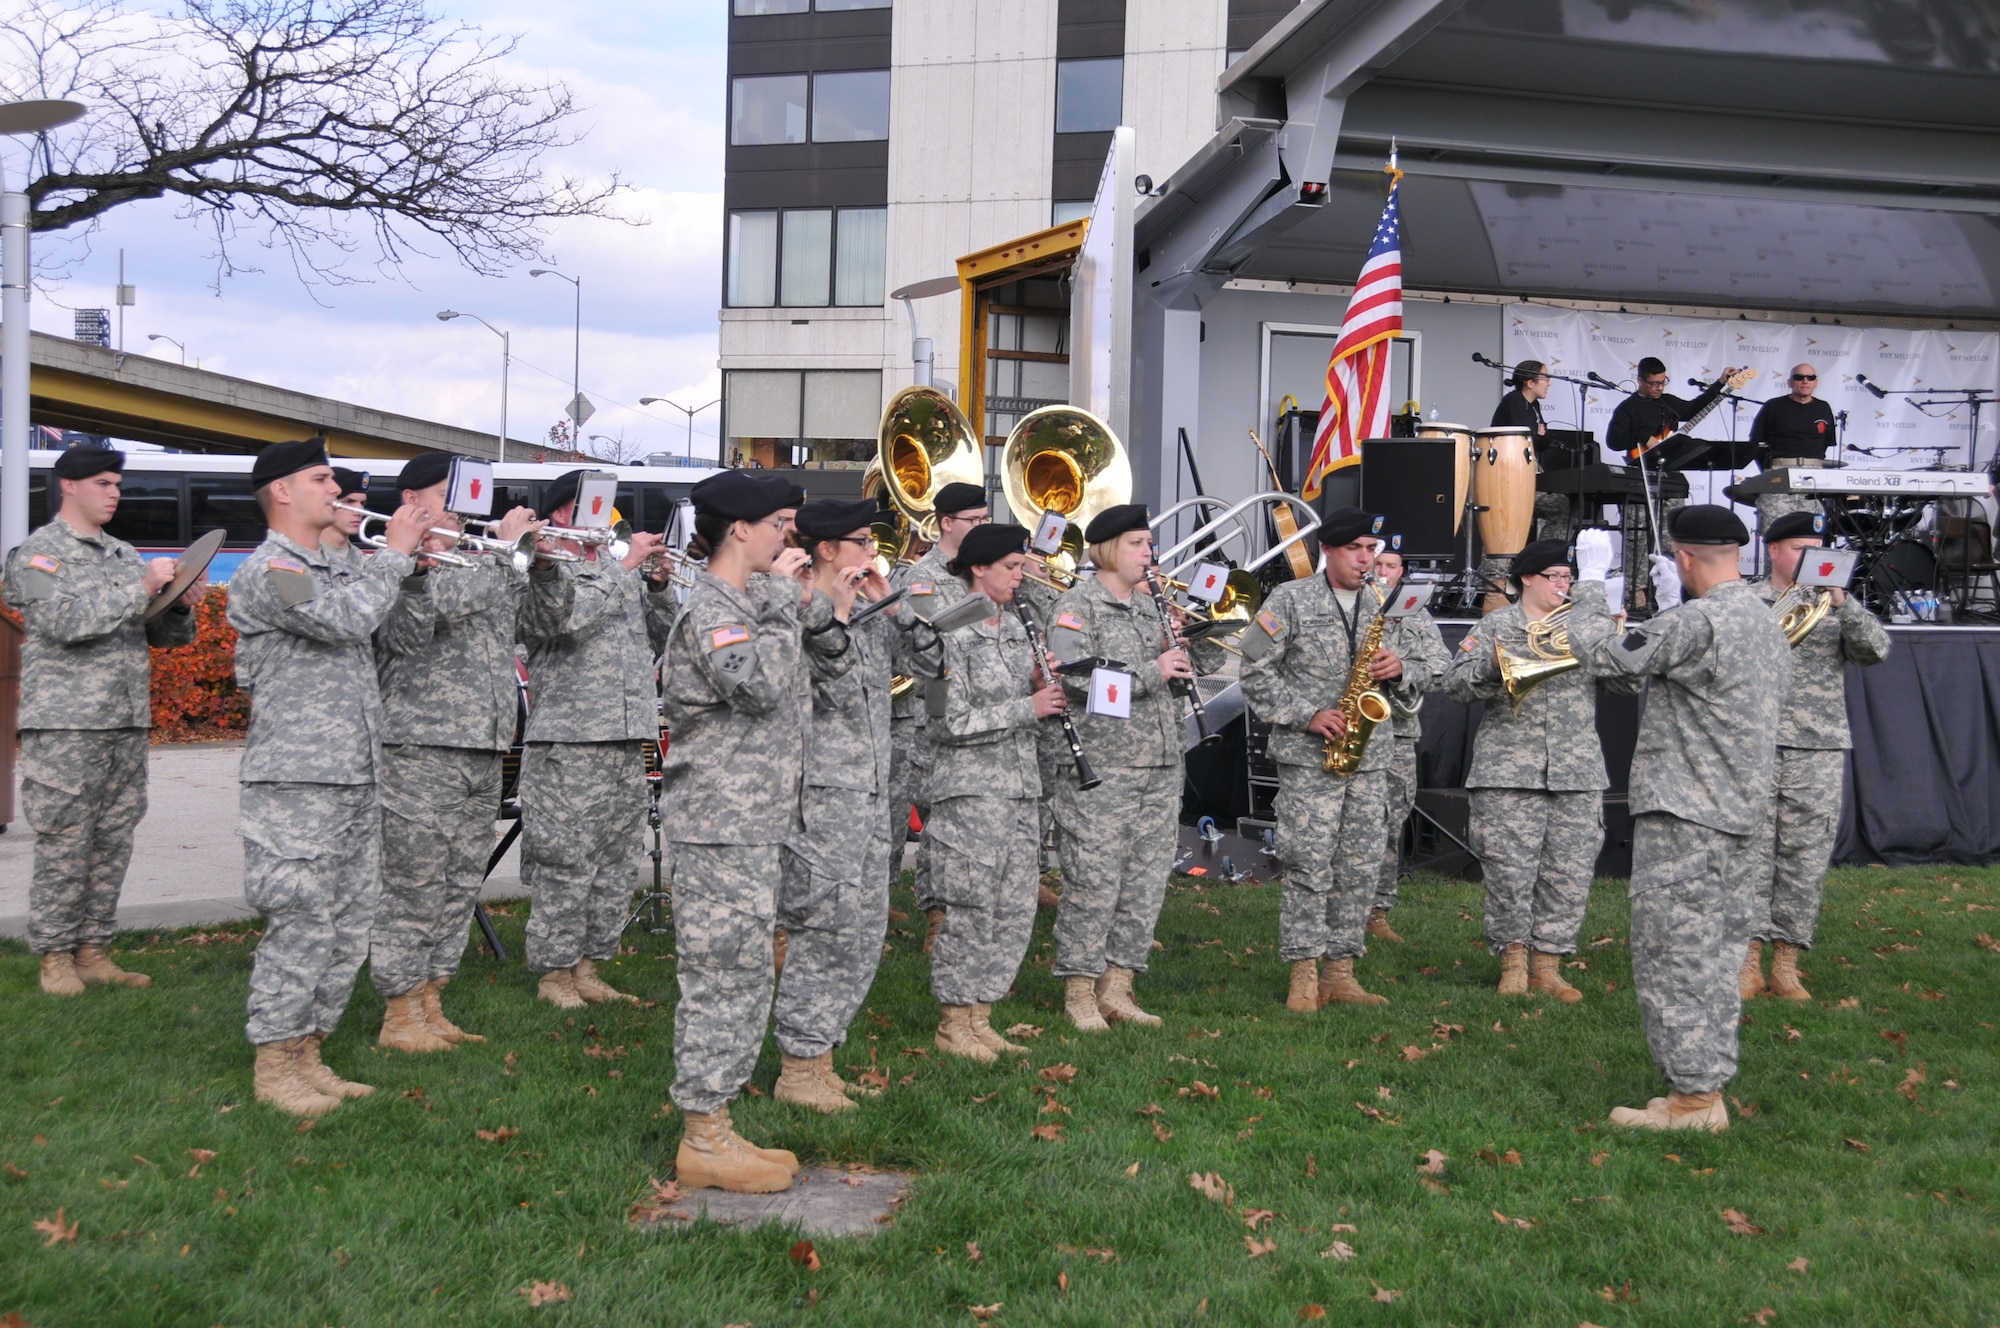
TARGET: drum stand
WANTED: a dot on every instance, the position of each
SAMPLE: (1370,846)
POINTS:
(1465,591)
(657,903)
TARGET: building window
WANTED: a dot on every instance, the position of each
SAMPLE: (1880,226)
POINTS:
(767,110)
(1068,209)
(749,8)
(753,259)
(793,417)
(863,247)
(1090,95)
(825,6)
(851,106)
(807,248)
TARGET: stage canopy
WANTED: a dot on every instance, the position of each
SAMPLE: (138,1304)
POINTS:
(1839,158)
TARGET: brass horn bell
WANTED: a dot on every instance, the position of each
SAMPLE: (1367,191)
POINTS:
(1064,459)
(924,443)
(1548,640)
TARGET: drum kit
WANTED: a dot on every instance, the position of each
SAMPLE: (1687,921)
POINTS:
(1493,477)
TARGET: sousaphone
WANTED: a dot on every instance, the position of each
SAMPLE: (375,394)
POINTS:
(1064,459)
(924,443)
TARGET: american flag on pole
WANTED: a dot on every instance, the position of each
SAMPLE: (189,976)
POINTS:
(1357,374)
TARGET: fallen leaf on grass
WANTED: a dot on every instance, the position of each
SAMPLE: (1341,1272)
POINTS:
(1312,1167)
(1161,1132)
(804,1255)
(1510,1158)
(1896,1037)
(1522,1223)
(1198,1089)
(972,1251)
(1376,1114)
(1798,1265)
(1048,1134)
(1433,1162)
(14,1172)
(1435,1187)
(985,1312)
(501,1135)
(1211,1186)
(1740,1225)
(1597,1159)
(1384,1295)
(1856,1145)
(1104,1255)
(1416,1053)
(508,1062)
(1058,1074)
(1340,1250)
(1256,1217)
(55,1230)
(1612,1295)
(1023,1030)
(977,1101)
(201,1155)
(1985,942)
(1382,1092)
(1259,1248)
(1908,1088)
(654,1204)
(1132,1170)
(543,1293)
(1762,1318)
(1674,1158)
(1150,1109)
(1053,1107)
(1311,1313)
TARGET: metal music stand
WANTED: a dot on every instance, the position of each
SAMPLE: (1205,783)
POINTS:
(657,902)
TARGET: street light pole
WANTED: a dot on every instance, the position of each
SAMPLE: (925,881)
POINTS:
(506,366)
(662,401)
(161,336)
(21,117)
(576,340)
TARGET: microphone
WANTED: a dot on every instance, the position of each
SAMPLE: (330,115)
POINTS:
(1478,358)
(1856,447)
(1696,382)
(1601,380)
(1863,380)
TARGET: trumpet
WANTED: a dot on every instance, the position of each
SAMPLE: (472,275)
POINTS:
(363,538)
(1549,654)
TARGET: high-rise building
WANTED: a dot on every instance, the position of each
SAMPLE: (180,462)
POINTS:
(872,143)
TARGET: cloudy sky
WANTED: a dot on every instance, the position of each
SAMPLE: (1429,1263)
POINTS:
(650,77)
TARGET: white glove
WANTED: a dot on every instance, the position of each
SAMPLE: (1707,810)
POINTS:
(1614,592)
(1666,581)
(1593,554)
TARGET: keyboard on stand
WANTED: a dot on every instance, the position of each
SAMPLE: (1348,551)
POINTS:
(1854,482)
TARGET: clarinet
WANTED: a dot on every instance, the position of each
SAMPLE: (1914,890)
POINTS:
(1086,778)
(1184,688)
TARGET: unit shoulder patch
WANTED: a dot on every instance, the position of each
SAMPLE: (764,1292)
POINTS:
(729,651)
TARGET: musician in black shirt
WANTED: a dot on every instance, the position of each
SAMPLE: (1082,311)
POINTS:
(1522,407)
(1795,430)
(1641,416)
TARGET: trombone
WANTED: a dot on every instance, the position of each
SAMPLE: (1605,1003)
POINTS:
(1228,526)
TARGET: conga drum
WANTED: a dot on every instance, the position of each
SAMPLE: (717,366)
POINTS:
(1506,490)
(1461,464)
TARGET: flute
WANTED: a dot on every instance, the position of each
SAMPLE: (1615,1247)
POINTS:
(1170,636)
(1086,778)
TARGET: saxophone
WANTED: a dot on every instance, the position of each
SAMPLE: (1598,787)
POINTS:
(1362,705)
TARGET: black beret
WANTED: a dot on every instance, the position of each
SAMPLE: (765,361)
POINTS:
(1705,523)
(281,459)
(958,497)
(1344,525)
(350,481)
(1539,556)
(832,518)
(742,495)
(795,495)
(425,469)
(1115,521)
(1796,525)
(562,490)
(990,543)
(80,463)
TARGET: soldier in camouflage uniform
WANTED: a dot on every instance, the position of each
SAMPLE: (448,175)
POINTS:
(1701,781)
(1117,839)
(1812,746)
(86,679)
(1537,783)
(1415,638)
(310,820)
(834,904)
(1297,656)
(738,680)
(984,827)
(450,703)
(343,537)
(592,629)
(961,508)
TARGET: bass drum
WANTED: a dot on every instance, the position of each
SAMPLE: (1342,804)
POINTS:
(1461,464)
(1907,567)
(1506,489)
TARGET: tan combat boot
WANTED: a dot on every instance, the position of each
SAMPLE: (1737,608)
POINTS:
(989,1037)
(404,1027)
(780,942)
(956,1038)
(1379,928)
(1338,987)
(558,988)
(1785,984)
(783,1157)
(1114,999)
(801,1082)
(323,1080)
(59,975)
(1303,998)
(1750,980)
(1676,1111)
(1514,970)
(711,1156)
(279,1083)
(933,924)
(594,988)
(1080,1004)
(1046,898)
(1545,976)
(434,1017)
(95,969)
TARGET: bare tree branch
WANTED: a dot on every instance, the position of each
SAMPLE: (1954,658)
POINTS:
(280,122)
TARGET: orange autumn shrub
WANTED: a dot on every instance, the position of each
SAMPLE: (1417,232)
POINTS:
(194,687)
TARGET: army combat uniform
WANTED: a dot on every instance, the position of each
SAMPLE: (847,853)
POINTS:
(450,702)
(984,829)
(1297,654)
(932,589)
(834,905)
(1701,782)
(591,629)
(86,679)
(1812,742)
(738,679)
(310,818)
(1117,840)
(1415,638)
(1537,789)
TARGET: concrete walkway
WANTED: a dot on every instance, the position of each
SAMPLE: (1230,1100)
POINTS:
(187,863)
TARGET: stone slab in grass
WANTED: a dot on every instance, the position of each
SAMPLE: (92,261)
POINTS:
(823,1201)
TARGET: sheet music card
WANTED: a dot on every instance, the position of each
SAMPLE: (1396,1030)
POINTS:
(1409,598)
(1049,533)
(1111,693)
(595,497)
(470,490)
(1833,568)
(1209,583)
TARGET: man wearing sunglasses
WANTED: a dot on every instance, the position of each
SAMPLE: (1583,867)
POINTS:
(1794,430)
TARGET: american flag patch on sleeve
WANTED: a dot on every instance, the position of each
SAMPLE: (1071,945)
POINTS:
(922,588)
(41,562)
(724,637)
(1269,622)
(287,565)
(1070,621)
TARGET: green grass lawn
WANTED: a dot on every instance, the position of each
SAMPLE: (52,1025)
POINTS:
(1863,1151)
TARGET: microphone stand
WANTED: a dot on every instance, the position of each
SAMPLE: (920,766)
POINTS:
(1973,398)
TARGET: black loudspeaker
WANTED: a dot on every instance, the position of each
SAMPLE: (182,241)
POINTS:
(1411,481)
